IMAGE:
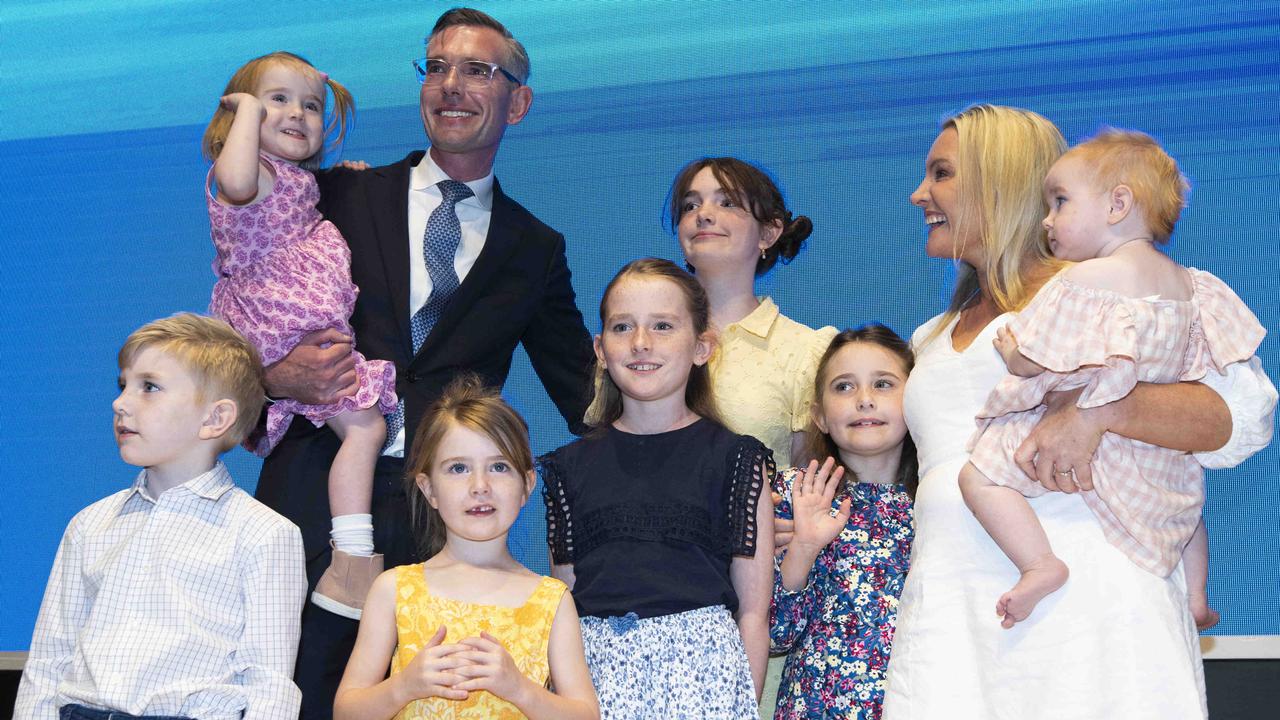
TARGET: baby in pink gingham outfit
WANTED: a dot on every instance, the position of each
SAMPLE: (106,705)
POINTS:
(1125,313)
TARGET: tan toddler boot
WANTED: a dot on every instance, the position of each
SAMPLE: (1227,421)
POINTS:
(345,584)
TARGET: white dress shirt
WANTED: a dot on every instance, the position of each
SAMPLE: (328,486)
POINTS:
(473,213)
(184,604)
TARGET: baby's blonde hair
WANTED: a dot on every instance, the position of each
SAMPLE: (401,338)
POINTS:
(246,80)
(1134,159)
(222,363)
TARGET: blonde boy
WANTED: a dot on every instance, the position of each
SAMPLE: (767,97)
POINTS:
(180,596)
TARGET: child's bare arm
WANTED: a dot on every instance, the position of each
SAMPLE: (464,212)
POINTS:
(366,693)
(493,669)
(753,582)
(238,171)
(1017,363)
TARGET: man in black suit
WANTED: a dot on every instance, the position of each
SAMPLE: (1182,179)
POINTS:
(514,288)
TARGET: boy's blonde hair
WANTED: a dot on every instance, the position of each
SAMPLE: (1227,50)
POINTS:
(246,80)
(1003,155)
(222,363)
(467,402)
(1134,159)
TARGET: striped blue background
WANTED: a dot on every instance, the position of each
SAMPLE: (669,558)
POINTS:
(102,105)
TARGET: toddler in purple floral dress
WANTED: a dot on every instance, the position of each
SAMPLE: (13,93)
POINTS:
(284,272)
(835,592)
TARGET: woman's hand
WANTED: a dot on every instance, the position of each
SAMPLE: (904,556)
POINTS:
(490,667)
(434,671)
(1060,448)
(811,496)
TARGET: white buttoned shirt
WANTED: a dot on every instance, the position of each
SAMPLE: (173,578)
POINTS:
(184,604)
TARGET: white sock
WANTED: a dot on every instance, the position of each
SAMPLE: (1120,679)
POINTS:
(353,534)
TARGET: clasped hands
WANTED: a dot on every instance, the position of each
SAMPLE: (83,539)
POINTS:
(453,670)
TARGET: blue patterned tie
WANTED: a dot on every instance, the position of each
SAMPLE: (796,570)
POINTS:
(439,245)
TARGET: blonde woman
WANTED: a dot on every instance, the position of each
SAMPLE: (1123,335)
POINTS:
(1119,642)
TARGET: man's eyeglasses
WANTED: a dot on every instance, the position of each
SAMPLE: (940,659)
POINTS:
(474,73)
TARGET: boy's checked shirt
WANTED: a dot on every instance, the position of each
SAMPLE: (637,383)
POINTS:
(187,604)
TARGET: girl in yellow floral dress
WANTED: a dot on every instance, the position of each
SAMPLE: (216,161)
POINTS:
(470,633)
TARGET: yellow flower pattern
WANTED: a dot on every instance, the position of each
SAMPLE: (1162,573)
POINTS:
(523,630)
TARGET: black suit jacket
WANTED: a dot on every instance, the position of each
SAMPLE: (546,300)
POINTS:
(518,291)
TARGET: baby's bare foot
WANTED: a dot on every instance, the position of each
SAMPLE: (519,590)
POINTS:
(1044,575)
(1205,616)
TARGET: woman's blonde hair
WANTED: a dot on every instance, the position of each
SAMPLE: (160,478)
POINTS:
(246,80)
(1003,156)
(467,403)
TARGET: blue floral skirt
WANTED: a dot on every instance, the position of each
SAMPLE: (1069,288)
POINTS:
(688,665)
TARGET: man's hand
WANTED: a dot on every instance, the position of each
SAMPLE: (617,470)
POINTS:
(320,370)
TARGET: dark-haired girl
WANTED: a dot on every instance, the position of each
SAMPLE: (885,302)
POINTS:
(734,226)
(835,592)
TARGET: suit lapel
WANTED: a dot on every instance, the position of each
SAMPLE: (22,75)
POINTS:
(498,246)
(389,214)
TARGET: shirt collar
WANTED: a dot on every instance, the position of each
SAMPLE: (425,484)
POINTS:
(427,173)
(759,322)
(210,485)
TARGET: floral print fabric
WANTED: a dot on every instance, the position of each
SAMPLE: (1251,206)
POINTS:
(838,629)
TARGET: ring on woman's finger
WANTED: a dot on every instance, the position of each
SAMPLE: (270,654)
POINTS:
(1068,471)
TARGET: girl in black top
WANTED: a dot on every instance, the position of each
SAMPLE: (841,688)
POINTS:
(655,520)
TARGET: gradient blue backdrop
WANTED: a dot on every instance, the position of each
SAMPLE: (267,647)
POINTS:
(104,224)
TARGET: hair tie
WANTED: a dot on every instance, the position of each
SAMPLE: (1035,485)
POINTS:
(324,76)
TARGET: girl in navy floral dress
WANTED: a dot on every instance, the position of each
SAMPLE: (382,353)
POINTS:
(835,595)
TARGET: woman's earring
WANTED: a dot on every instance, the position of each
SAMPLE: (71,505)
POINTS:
(762,255)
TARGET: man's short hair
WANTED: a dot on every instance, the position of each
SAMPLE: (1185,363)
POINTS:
(516,61)
(221,362)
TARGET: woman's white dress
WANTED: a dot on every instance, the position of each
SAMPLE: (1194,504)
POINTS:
(1115,642)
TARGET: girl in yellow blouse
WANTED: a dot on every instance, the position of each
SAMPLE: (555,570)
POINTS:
(734,226)
(470,633)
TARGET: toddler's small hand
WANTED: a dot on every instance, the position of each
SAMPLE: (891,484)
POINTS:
(352,165)
(1005,342)
(235,101)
